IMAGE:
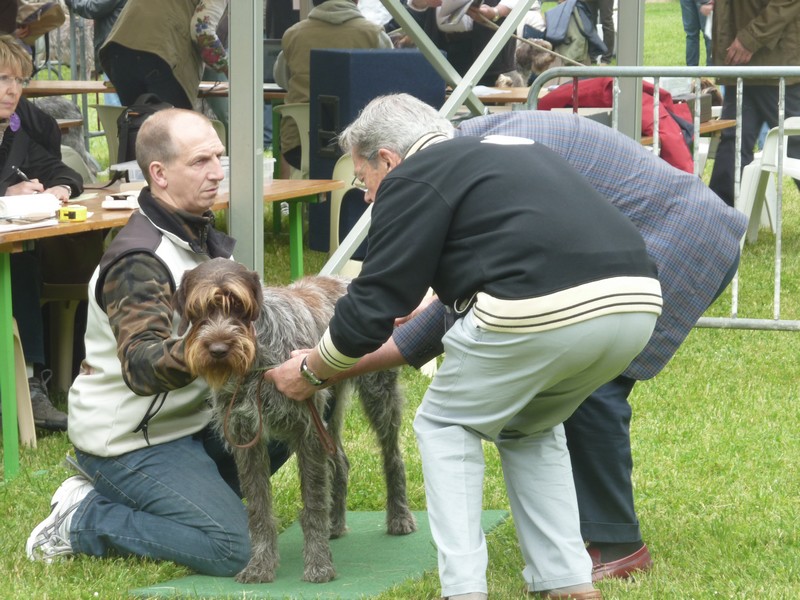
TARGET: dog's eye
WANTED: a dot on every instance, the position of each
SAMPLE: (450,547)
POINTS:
(232,305)
(235,305)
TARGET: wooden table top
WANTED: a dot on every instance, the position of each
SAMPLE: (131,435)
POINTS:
(66,124)
(100,219)
(278,190)
(222,89)
(495,95)
(275,190)
(709,127)
(65,87)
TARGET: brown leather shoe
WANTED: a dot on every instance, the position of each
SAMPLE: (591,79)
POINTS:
(554,595)
(622,568)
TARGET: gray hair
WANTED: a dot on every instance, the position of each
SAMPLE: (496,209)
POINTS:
(393,122)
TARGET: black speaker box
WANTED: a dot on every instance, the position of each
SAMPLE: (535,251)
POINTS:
(342,83)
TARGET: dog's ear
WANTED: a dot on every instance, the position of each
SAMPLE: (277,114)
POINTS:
(179,304)
(256,290)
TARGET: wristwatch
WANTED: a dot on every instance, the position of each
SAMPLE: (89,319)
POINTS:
(308,374)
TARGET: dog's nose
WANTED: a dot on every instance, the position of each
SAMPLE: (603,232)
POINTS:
(218,349)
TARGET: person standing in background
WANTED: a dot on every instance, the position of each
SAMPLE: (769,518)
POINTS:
(220,106)
(603,13)
(330,24)
(105,14)
(464,39)
(756,33)
(162,52)
(694,25)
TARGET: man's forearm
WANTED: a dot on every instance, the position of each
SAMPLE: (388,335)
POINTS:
(387,356)
(414,342)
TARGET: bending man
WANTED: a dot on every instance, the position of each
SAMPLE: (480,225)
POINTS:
(557,297)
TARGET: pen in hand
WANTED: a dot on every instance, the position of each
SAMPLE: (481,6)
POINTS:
(19,173)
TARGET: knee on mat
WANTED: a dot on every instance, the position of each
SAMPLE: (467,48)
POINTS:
(233,556)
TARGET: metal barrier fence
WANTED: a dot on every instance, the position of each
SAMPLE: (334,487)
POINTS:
(696,73)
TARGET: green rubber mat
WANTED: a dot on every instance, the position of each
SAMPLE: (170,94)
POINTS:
(367,560)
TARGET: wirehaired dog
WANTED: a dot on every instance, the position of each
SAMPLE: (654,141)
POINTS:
(239,329)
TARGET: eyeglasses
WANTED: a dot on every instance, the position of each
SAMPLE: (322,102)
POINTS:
(358,184)
(7,80)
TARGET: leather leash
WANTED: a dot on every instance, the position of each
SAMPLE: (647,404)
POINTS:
(322,431)
(324,436)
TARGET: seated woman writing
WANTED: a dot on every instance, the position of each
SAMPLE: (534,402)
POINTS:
(30,163)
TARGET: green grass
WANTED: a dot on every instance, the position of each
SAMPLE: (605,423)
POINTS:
(715,442)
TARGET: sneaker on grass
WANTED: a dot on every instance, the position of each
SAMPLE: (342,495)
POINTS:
(50,538)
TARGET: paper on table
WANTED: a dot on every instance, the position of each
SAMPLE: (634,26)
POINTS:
(7,227)
(84,196)
(29,204)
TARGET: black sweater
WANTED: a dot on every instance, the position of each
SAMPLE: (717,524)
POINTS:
(466,216)
(35,148)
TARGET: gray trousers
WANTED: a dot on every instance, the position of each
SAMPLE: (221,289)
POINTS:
(515,390)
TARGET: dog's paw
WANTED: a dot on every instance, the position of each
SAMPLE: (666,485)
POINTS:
(256,573)
(401,524)
(319,573)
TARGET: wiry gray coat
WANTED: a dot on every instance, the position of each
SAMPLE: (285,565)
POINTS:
(226,305)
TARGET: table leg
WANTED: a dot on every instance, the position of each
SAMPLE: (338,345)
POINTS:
(8,387)
(296,236)
(276,169)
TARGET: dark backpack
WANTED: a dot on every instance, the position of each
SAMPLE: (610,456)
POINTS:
(130,121)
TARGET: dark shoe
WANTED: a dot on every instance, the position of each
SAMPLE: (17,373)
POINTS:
(621,568)
(556,595)
(45,415)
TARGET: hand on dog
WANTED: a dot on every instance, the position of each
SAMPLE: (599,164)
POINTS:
(287,379)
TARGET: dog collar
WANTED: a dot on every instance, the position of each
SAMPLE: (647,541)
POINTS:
(309,375)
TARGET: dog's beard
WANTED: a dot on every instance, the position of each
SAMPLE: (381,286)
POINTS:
(230,340)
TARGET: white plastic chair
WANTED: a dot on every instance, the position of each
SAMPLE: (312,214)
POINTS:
(74,161)
(343,170)
(301,114)
(27,429)
(107,115)
(758,192)
(219,127)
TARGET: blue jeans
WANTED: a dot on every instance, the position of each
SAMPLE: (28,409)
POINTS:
(694,24)
(177,501)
